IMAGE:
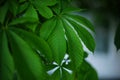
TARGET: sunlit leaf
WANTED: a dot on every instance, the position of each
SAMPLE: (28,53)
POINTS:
(81,21)
(66,75)
(31,12)
(30,16)
(37,43)
(56,9)
(42,9)
(75,48)
(56,75)
(29,19)
(85,36)
(43,40)
(27,62)
(45,11)
(47,28)
(70,9)
(6,61)
(23,20)
(57,42)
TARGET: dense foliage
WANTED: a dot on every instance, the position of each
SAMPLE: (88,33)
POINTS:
(43,40)
(105,12)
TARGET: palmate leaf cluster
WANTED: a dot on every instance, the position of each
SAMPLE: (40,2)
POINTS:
(36,36)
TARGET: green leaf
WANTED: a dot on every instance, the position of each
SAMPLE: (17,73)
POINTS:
(75,48)
(57,42)
(117,38)
(28,63)
(37,43)
(85,36)
(3,12)
(70,9)
(0,39)
(22,7)
(29,19)
(20,1)
(31,12)
(56,9)
(55,76)
(47,28)
(31,26)
(48,2)
(81,21)
(86,72)
(6,60)
(30,16)
(23,20)
(69,0)
(92,75)
(85,54)
(66,75)
(61,74)
(13,6)
(42,9)
(45,11)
